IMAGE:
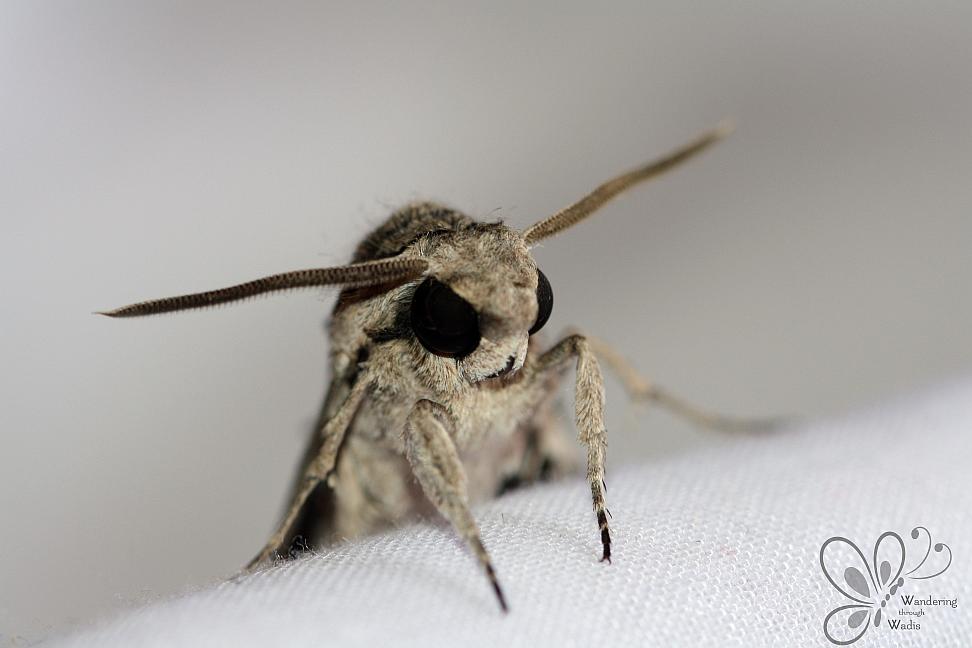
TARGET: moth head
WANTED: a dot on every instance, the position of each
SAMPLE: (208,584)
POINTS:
(478,294)
(483,298)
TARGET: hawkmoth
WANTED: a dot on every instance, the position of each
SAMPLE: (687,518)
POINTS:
(441,390)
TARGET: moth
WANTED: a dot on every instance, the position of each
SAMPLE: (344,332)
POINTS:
(441,391)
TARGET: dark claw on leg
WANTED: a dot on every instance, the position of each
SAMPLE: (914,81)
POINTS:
(605,535)
(496,588)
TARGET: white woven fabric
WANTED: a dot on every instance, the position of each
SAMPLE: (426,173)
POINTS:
(718,547)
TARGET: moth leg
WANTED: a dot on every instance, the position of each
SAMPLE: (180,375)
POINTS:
(589,412)
(641,389)
(435,463)
(316,470)
(548,453)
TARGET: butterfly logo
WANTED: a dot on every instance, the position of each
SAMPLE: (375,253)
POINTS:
(869,586)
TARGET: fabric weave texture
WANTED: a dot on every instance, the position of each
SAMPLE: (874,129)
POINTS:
(716,547)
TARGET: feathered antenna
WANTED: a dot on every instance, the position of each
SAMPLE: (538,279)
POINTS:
(593,201)
(368,273)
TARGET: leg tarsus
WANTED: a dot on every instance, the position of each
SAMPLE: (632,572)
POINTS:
(589,413)
(274,544)
(436,465)
(491,575)
(316,471)
(605,535)
(643,390)
(499,591)
(705,418)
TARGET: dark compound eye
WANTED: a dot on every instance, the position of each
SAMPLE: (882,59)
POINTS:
(544,302)
(445,323)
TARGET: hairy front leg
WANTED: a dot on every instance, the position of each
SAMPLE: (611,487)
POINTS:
(317,468)
(589,412)
(435,462)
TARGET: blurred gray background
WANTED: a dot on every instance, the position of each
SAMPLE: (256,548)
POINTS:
(817,261)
